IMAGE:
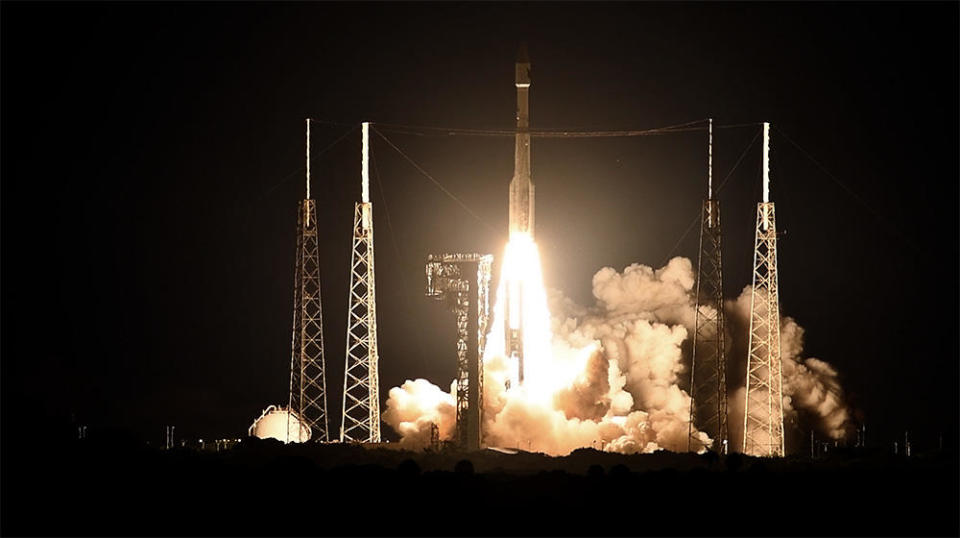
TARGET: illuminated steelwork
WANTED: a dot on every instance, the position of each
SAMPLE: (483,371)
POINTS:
(434,437)
(308,386)
(708,381)
(450,278)
(521,209)
(360,419)
(763,409)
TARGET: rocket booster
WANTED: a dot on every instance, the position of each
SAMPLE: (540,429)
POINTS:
(521,186)
(521,210)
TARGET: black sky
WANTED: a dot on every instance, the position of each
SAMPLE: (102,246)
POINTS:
(152,154)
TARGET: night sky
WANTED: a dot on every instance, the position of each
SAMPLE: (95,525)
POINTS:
(152,161)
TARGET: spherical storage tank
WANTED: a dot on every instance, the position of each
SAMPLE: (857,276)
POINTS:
(281,424)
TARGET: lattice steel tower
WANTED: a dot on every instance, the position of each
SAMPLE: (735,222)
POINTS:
(360,420)
(462,282)
(708,379)
(308,387)
(763,409)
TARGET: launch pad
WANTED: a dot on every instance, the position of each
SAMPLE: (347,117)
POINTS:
(462,282)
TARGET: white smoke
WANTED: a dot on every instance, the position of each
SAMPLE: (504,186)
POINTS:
(616,372)
(811,387)
(415,406)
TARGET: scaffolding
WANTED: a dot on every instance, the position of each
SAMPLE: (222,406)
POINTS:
(360,418)
(308,387)
(708,382)
(763,408)
(462,283)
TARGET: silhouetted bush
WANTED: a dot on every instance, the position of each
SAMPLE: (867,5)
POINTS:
(408,468)
(757,467)
(595,471)
(62,489)
(463,467)
(734,462)
(620,470)
(710,457)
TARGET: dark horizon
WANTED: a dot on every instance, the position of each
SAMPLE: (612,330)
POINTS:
(153,159)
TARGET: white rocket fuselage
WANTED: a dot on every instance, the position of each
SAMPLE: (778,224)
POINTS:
(521,212)
(521,186)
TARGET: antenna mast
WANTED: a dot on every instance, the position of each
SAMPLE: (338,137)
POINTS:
(307,406)
(763,409)
(308,158)
(360,420)
(708,379)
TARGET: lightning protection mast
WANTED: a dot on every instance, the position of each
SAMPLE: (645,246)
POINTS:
(308,388)
(360,421)
(708,380)
(763,409)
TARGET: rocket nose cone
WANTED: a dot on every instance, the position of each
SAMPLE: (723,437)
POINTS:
(522,56)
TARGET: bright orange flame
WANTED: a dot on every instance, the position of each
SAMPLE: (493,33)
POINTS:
(521,280)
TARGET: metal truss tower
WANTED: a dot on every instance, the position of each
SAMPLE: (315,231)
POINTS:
(308,387)
(708,379)
(763,409)
(360,420)
(450,278)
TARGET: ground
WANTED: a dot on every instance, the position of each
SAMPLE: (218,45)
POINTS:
(114,485)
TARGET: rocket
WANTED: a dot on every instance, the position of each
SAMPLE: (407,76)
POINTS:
(521,186)
(521,210)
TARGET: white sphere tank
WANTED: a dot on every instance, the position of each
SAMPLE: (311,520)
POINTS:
(281,424)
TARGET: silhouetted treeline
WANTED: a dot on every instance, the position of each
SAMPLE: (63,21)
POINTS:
(111,484)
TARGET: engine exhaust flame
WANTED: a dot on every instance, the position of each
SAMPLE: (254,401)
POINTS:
(522,297)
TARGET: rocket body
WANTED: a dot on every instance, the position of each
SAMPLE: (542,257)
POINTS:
(521,186)
(521,212)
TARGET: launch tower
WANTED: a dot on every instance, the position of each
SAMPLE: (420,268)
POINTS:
(708,382)
(308,387)
(360,420)
(763,409)
(462,282)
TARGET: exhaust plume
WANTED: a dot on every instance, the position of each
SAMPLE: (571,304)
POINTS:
(414,406)
(615,374)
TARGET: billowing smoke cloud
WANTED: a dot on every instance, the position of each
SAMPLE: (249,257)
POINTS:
(618,373)
(415,406)
(812,393)
(640,291)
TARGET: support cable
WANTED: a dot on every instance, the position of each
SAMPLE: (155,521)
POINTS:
(393,237)
(425,130)
(335,123)
(432,130)
(435,182)
(383,198)
(890,227)
(315,156)
(719,188)
(386,212)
